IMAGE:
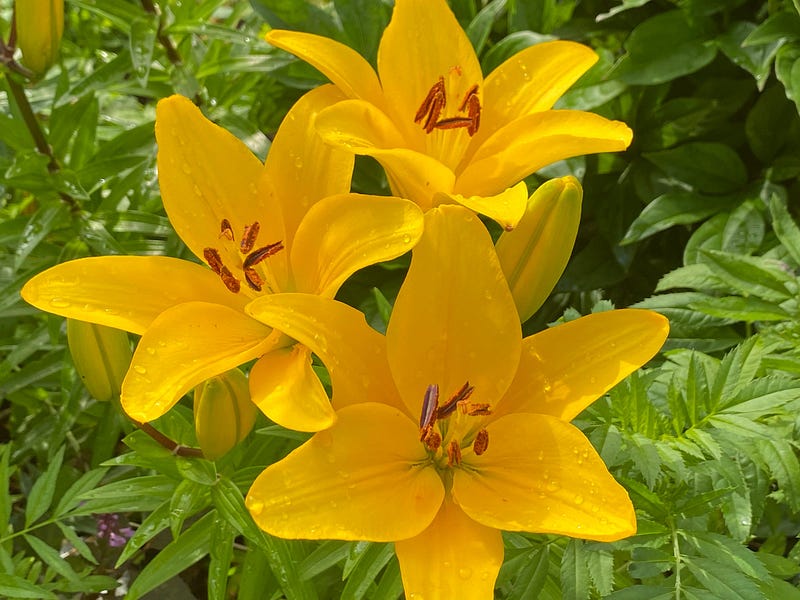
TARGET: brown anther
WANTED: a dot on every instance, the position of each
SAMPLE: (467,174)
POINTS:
(249,237)
(433,440)
(472,93)
(432,106)
(474,409)
(453,123)
(453,454)
(253,279)
(213,259)
(256,256)
(226,231)
(481,442)
(229,280)
(473,106)
(464,392)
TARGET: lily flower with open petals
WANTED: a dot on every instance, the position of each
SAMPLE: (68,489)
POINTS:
(286,225)
(452,427)
(442,132)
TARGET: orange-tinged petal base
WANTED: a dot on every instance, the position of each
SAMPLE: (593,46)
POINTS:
(455,557)
(541,475)
(365,478)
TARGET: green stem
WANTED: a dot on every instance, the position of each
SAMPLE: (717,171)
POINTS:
(676,553)
(167,443)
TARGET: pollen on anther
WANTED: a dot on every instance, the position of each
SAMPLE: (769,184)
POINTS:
(481,442)
(249,237)
(256,256)
(453,454)
(226,230)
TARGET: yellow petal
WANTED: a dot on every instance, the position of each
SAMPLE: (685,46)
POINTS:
(531,81)
(365,478)
(454,319)
(341,64)
(564,369)
(422,43)
(126,292)
(455,557)
(535,254)
(527,144)
(506,208)
(184,346)
(206,175)
(363,129)
(345,233)
(353,352)
(541,475)
(286,389)
(300,166)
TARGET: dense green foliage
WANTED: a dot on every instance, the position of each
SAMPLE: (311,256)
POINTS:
(697,220)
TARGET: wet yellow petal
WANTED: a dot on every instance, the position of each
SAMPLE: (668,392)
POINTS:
(184,346)
(540,474)
(564,369)
(300,166)
(535,254)
(286,389)
(454,319)
(456,557)
(341,64)
(126,292)
(527,144)
(353,352)
(345,233)
(206,174)
(531,81)
(365,478)
(422,43)
(506,208)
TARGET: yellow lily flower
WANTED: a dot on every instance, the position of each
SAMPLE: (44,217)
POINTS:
(452,427)
(442,132)
(285,225)
(40,25)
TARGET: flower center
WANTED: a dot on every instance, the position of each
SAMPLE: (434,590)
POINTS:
(429,114)
(250,260)
(436,424)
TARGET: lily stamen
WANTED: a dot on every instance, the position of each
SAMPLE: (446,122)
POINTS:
(249,237)
(453,454)
(461,395)
(481,442)
(432,106)
(226,231)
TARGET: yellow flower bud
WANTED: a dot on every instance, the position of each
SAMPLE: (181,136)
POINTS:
(40,24)
(534,255)
(101,355)
(223,413)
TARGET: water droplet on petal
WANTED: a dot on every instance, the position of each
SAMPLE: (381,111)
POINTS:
(254,505)
(139,369)
(578,499)
(59,303)
(465,573)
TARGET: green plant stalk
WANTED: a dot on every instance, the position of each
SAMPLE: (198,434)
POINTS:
(676,553)
(163,38)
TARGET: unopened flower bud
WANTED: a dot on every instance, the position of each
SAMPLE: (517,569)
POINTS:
(223,413)
(40,24)
(101,355)
(534,255)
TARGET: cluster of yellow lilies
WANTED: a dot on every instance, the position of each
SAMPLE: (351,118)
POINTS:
(451,426)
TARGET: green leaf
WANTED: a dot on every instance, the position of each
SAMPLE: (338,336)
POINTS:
(736,308)
(722,580)
(724,550)
(365,570)
(77,542)
(768,123)
(787,70)
(323,557)
(664,47)
(779,26)
(509,46)
(479,28)
(41,494)
(750,275)
(156,522)
(187,499)
(756,60)
(72,497)
(40,225)
(280,555)
(180,554)
(708,167)
(601,570)
(222,538)
(5,495)
(649,562)
(674,208)
(141,43)
(785,227)
(51,557)
(136,494)
(12,586)
(531,579)
(363,22)
(574,572)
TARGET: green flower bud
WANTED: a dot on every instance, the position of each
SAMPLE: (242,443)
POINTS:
(101,355)
(40,24)
(223,413)
(534,255)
